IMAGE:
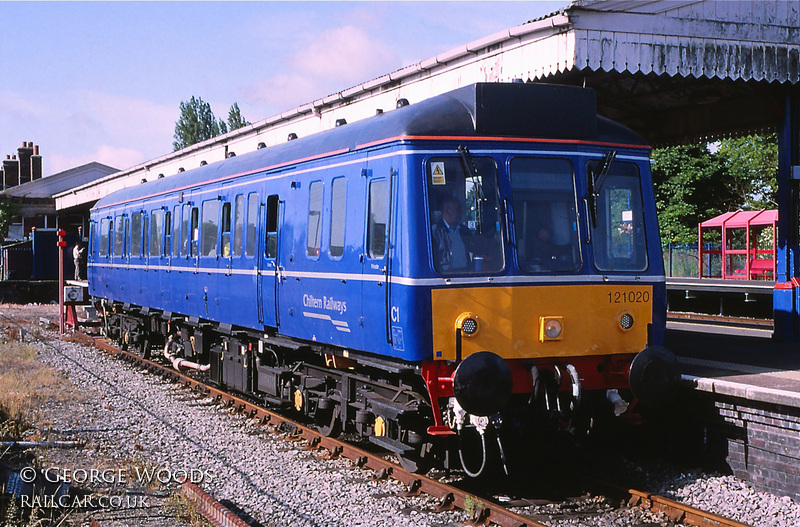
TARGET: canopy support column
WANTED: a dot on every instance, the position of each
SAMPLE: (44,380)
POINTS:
(786,302)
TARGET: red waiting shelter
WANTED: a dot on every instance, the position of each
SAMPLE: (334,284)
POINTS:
(746,262)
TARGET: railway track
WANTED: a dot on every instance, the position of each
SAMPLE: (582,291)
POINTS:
(483,510)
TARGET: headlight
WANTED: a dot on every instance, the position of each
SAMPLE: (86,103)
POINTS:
(550,328)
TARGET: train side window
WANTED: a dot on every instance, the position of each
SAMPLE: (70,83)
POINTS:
(105,229)
(252,220)
(208,246)
(186,217)
(145,232)
(176,231)
(167,233)
(136,234)
(338,208)
(314,235)
(92,241)
(376,222)
(156,231)
(226,229)
(271,249)
(238,225)
(194,227)
(119,237)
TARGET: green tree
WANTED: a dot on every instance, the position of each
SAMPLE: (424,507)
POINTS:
(8,209)
(195,124)
(235,119)
(751,164)
(689,188)
(693,183)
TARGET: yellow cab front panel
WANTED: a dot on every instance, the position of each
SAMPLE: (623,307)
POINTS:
(596,319)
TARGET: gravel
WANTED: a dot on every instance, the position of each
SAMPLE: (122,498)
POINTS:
(135,422)
(138,423)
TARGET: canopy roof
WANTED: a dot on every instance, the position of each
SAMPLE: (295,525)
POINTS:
(742,219)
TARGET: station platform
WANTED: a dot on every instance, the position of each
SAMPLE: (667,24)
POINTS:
(745,392)
(743,363)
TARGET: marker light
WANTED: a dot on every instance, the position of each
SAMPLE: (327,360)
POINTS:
(467,323)
(626,321)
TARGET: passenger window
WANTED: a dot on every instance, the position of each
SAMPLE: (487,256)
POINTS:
(145,231)
(156,231)
(136,234)
(167,233)
(92,234)
(210,227)
(195,228)
(105,227)
(376,223)
(238,225)
(338,208)
(176,230)
(252,220)
(272,226)
(187,213)
(226,229)
(314,219)
(119,237)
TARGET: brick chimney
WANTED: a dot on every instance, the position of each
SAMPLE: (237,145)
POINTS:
(24,154)
(36,164)
(10,172)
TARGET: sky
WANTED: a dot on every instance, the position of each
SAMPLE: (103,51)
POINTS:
(103,81)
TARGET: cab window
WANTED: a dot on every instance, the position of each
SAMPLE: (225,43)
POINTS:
(463,210)
(545,215)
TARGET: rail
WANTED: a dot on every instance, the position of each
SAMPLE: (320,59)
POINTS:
(449,497)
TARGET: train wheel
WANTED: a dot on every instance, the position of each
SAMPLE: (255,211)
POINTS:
(420,461)
(141,348)
(328,422)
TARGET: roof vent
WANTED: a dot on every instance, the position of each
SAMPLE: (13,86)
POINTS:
(378,111)
(341,122)
(402,102)
(231,154)
(292,137)
(203,163)
(261,145)
(144,180)
(161,176)
(181,169)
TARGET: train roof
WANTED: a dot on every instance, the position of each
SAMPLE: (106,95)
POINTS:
(482,110)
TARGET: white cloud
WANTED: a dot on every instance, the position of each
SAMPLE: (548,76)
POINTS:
(120,158)
(333,60)
(346,54)
(78,127)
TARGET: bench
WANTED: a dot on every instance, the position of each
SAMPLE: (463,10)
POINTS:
(759,269)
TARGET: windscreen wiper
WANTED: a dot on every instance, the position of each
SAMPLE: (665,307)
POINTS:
(594,182)
(480,198)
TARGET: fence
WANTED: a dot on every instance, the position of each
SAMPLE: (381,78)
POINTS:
(680,260)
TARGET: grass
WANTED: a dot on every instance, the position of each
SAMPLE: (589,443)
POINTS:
(185,511)
(25,383)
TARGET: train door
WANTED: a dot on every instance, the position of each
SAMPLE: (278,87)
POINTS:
(376,268)
(269,272)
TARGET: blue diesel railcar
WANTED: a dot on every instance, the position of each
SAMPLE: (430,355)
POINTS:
(413,276)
